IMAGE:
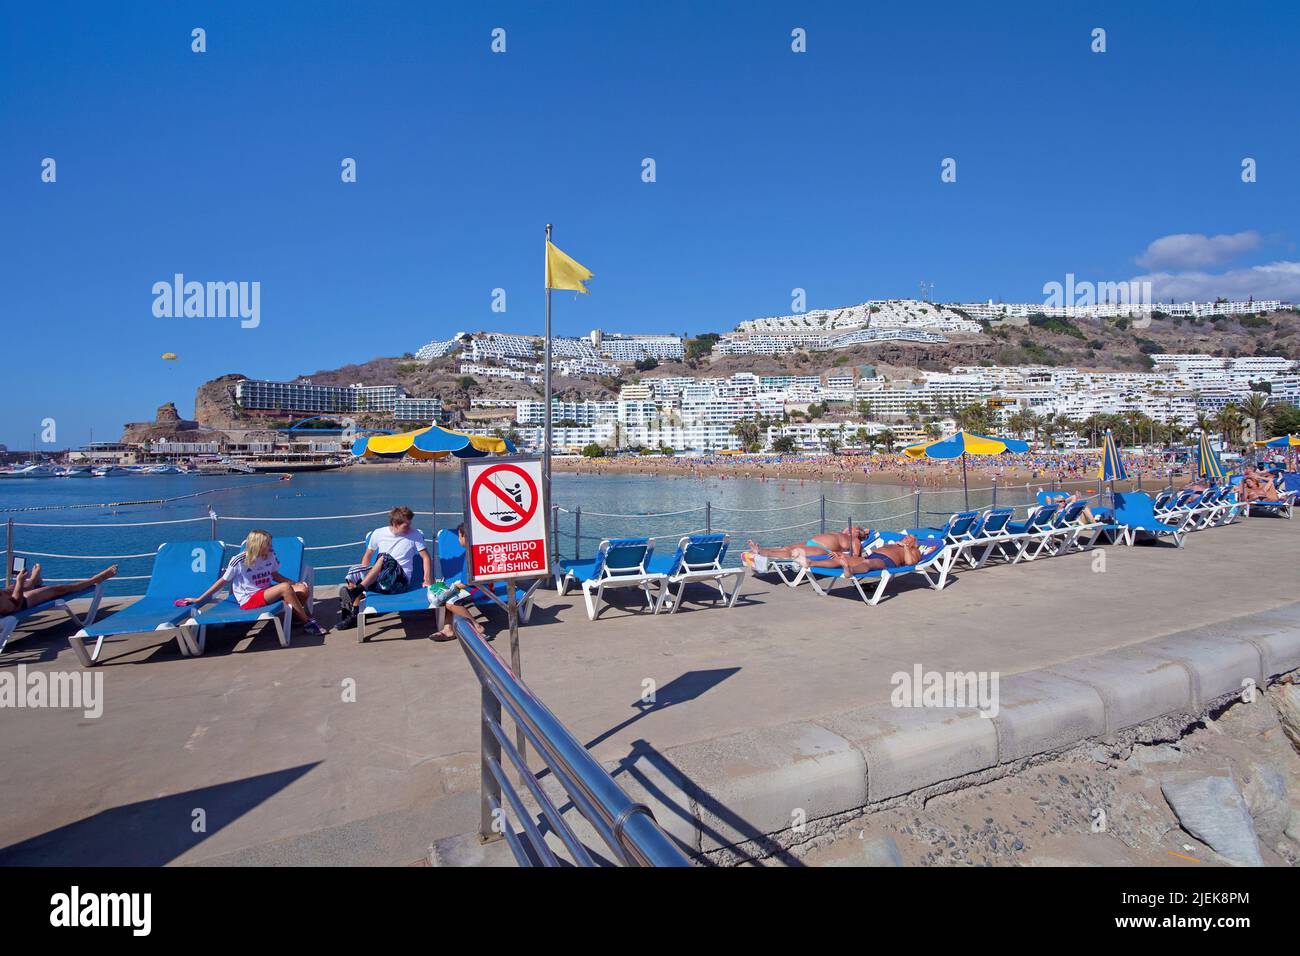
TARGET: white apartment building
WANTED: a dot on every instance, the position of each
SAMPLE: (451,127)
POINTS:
(493,371)
(437,349)
(609,434)
(305,397)
(584,413)
(495,346)
(998,311)
(634,348)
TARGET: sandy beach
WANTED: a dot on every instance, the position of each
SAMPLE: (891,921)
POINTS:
(1073,469)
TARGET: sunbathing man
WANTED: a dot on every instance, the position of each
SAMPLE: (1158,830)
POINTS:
(849,541)
(898,554)
(29,590)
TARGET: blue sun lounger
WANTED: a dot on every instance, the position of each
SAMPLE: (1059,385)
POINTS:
(413,599)
(990,535)
(933,569)
(1134,516)
(1284,506)
(9,623)
(180,569)
(226,611)
(698,560)
(1034,532)
(957,528)
(618,563)
(451,561)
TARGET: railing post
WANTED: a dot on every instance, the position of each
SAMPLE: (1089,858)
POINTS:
(577,532)
(823,516)
(918,509)
(708,517)
(212,521)
(9,551)
(489,750)
(555,532)
(995,493)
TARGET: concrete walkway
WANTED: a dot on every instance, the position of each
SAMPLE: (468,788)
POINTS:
(761,711)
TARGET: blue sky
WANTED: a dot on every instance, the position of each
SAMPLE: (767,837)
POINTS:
(775,170)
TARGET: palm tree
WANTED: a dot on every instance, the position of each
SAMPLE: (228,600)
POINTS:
(1229,422)
(1254,408)
(888,438)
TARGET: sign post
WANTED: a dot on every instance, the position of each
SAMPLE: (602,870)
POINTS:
(507,534)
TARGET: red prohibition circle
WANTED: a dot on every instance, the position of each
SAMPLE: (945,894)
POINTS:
(524,516)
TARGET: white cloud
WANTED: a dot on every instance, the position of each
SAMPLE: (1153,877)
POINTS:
(1274,280)
(1194,250)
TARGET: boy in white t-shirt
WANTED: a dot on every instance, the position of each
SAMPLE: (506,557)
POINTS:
(394,550)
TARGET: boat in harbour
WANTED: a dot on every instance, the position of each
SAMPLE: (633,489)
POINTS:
(31,471)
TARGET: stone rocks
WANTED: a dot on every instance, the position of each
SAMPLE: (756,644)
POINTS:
(1266,799)
(1212,809)
(1286,700)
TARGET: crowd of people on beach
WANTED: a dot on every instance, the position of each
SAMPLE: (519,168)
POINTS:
(1038,466)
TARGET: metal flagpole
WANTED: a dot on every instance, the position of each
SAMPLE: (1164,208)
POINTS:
(546,390)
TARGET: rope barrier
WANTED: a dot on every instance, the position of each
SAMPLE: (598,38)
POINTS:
(106,524)
(879,501)
(656,514)
(754,511)
(368,514)
(116,577)
(330,547)
(86,557)
(789,527)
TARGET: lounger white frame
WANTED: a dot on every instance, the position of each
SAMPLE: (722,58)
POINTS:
(195,631)
(711,573)
(593,589)
(933,570)
(9,623)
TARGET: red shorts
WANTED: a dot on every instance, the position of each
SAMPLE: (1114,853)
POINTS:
(254,602)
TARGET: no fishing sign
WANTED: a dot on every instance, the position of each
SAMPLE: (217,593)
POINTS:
(505,518)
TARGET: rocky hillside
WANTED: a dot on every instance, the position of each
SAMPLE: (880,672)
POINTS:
(1109,345)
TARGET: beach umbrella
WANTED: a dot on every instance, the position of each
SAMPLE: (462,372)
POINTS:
(1288,442)
(1112,466)
(1207,461)
(431,444)
(962,444)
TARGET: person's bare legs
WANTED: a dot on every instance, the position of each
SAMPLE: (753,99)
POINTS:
(49,592)
(291,594)
(778,554)
(831,559)
(449,629)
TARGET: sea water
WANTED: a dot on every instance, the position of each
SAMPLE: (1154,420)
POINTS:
(101,518)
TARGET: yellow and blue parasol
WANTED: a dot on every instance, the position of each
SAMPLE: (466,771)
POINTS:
(1112,466)
(1207,460)
(962,444)
(431,444)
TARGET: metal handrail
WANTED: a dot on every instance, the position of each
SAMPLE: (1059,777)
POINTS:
(628,828)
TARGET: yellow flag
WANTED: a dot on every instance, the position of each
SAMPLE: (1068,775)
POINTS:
(563,272)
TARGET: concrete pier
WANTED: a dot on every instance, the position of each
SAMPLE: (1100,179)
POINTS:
(778,707)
